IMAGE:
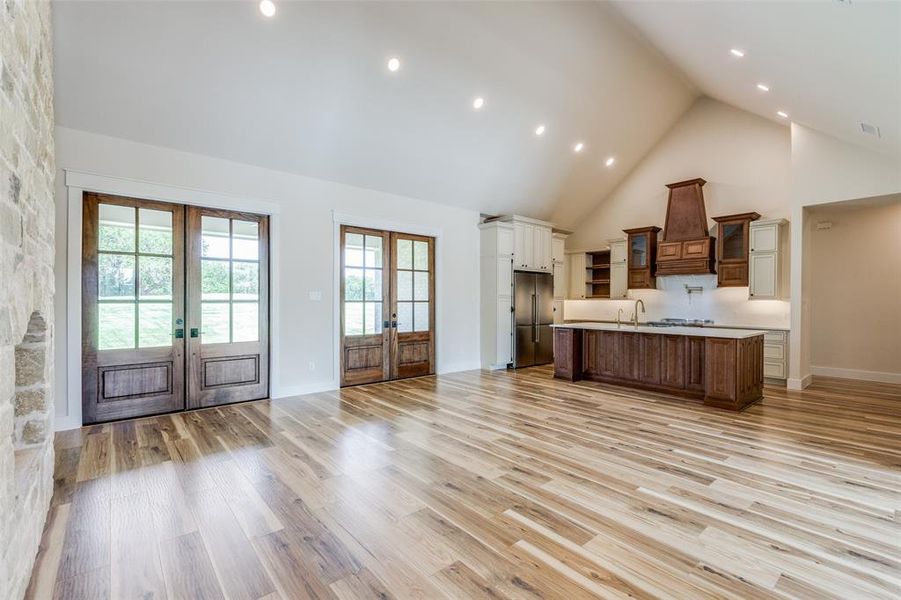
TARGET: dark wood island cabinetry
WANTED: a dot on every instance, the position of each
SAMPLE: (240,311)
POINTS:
(723,367)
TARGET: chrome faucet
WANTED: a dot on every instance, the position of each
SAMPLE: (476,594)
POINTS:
(619,317)
(635,314)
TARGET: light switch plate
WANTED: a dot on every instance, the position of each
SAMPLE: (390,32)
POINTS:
(315,295)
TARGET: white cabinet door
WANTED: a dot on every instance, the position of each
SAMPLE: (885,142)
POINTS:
(577,276)
(541,248)
(504,277)
(504,331)
(559,281)
(547,243)
(618,279)
(558,311)
(763,275)
(522,246)
(618,251)
(558,249)
(505,241)
(764,238)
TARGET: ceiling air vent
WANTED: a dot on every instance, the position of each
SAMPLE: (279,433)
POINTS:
(870,130)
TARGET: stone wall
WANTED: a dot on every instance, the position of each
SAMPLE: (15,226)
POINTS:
(26,286)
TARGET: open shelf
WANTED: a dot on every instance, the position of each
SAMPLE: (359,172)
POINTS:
(597,274)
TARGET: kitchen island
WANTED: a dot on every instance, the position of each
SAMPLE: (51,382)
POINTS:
(724,367)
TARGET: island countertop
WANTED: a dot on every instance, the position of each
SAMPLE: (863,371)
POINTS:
(705,332)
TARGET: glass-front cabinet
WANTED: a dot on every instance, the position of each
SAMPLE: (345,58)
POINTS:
(732,243)
(642,255)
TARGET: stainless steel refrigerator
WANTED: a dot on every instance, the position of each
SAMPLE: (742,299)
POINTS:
(533,312)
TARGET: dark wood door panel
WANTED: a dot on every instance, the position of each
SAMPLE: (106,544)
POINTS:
(694,364)
(233,366)
(719,356)
(672,362)
(132,305)
(649,359)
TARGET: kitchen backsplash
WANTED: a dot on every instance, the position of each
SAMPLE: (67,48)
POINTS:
(725,306)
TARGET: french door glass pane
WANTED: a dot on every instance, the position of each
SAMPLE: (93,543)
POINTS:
(421,316)
(116,325)
(214,237)
(421,285)
(245,240)
(246,324)
(404,254)
(214,280)
(421,256)
(373,251)
(353,284)
(372,284)
(116,274)
(245,281)
(154,231)
(154,324)
(215,323)
(404,316)
(353,318)
(155,276)
(372,318)
(404,286)
(353,250)
(117,228)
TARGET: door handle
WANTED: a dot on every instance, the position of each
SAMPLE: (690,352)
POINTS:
(179,333)
(195,332)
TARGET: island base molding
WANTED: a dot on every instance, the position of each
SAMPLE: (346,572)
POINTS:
(725,373)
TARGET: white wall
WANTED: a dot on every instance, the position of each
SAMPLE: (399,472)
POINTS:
(855,322)
(303,253)
(746,161)
(824,170)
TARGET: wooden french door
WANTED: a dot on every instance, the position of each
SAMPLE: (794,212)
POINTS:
(174,307)
(133,299)
(228,306)
(387,299)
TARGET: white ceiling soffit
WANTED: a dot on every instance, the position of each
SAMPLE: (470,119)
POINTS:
(830,65)
(308,92)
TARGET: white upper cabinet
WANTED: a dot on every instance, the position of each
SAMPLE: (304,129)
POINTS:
(764,238)
(558,248)
(766,258)
(532,246)
(619,271)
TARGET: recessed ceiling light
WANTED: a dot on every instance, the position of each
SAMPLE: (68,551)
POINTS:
(539,130)
(393,64)
(763,87)
(782,114)
(610,161)
(578,147)
(737,52)
(267,7)
(478,103)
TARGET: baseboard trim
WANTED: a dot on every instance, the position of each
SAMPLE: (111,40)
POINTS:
(877,376)
(794,383)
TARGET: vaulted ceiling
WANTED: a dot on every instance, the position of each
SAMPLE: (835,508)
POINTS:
(308,92)
(829,65)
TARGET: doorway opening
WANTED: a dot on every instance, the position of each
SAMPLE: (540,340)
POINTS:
(175,307)
(387,300)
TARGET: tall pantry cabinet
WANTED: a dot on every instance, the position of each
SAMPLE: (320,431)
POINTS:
(508,244)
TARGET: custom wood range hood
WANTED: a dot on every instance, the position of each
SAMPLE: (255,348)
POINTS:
(686,247)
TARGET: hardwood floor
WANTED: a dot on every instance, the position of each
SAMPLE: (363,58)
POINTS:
(476,484)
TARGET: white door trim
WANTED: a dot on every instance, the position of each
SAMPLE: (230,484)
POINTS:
(371,222)
(78,182)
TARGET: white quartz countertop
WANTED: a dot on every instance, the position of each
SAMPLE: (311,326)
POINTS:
(735,334)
